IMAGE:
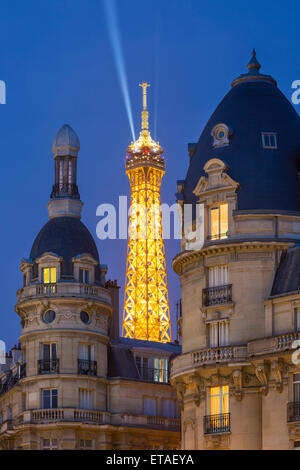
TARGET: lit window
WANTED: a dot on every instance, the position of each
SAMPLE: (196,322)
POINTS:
(50,444)
(219,222)
(219,400)
(161,370)
(49,275)
(218,333)
(269,140)
(49,399)
(296,388)
(84,276)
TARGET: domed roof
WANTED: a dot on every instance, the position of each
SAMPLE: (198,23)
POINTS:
(66,237)
(268,177)
(66,142)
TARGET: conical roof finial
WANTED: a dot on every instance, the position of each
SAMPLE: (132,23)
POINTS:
(253,65)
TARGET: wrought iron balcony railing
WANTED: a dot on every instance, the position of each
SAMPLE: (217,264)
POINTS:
(217,295)
(293,412)
(151,374)
(87,367)
(216,424)
(48,366)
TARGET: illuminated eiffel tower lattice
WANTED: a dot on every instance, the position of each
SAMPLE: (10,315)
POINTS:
(146,313)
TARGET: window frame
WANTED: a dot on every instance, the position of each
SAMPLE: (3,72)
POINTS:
(221,395)
(52,272)
(52,397)
(226,331)
(220,235)
(268,135)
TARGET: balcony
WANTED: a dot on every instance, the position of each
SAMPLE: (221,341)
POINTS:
(87,367)
(220,354)
(154,375)
(293,412)
(63,289)
(219,295)
(155,422)
(65,415)
(48,366)
(217,424)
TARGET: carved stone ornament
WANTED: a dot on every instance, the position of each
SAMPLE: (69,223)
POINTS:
(237,377)
(262,375)
(198,387)
(180,388)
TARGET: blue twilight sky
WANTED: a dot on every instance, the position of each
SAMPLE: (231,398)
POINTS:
(57,63)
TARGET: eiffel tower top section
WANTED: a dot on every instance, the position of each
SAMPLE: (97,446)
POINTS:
(145,151)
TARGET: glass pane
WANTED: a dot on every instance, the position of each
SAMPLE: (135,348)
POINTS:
(297,392)
(225,399)
(53,351)
(46,275)
(46,399)
(54,398)
(214,223)
(46,352)
(224,220)
(215,405)
(53,275)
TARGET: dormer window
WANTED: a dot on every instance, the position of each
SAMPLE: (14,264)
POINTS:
(49,275)
(84,277)
(218,222)
(269,140)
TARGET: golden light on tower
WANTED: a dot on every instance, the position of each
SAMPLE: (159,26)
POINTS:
(146,314)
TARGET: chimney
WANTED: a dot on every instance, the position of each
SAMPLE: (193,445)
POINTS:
(114,332)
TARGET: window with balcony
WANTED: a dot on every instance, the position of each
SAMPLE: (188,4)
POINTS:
(293,410)
(49,444)
(218,333)
(153,369)
(49,398)
(269,140)
(49,280)
(86,363)
(218,222)
(49,275)
(219,291)
(48,364)
(85,399)
(84,276)
(218,418)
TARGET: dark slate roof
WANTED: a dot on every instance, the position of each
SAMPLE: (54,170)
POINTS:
(269,178)
(287,277)
(66,237)
(121,362)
